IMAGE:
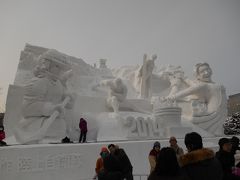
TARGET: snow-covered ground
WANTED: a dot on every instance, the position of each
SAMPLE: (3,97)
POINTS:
(73,161)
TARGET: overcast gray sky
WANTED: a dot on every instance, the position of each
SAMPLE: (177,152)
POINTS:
(180,32)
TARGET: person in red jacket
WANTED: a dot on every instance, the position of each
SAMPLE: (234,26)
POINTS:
(2,136)
(99,163)
(83,129)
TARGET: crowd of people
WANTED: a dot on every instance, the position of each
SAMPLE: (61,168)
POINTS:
(171,163)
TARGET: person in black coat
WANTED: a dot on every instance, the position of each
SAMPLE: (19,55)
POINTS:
(167,167)
(111,169)
(123,160)
(226,158)
(199,163)
(235,144)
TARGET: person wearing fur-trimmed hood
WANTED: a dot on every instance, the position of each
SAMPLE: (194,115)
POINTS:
(199,163)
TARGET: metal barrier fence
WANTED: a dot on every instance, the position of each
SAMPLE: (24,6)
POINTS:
(140,176)
(135,177)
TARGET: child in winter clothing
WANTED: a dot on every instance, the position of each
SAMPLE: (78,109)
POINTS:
(99,164)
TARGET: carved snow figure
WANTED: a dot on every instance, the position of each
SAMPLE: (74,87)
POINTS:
(178,82)
(117,96)
(44,100)
(117,92)
(138,78)
(207,99)
(145,77)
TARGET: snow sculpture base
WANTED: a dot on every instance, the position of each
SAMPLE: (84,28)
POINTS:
(169,117)
(137,126)
(177,131)
(114,126)
(110,127)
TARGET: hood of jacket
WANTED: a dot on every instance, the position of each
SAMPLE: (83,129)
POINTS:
(196,156)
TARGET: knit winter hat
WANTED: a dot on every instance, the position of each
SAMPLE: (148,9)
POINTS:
(223,141)
(104,149)
(156,144)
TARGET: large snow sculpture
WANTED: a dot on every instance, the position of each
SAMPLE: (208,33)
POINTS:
(45,99)
(41,96)
(207,100)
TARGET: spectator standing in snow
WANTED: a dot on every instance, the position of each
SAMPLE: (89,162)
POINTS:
(173,144)
(123,161)
(99,164)
(83,129)
(153,155)
(199,163)
(167,167)
(2,136)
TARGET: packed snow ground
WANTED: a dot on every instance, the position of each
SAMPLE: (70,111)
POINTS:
(73,161)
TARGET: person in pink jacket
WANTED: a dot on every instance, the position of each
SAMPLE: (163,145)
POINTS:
(2,136)
(83,129)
